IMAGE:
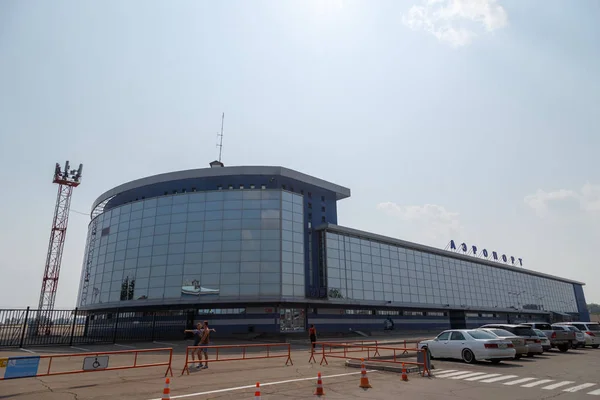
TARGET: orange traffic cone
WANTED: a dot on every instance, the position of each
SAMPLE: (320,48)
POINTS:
(166,391)
(319,391)
(364,380)
(404,375)
(257,393)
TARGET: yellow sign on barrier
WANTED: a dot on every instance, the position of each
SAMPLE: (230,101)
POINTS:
(3,362)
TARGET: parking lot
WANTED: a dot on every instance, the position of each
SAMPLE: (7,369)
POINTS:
(553,374)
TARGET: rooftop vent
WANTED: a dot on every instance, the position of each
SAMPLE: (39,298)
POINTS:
(216,164)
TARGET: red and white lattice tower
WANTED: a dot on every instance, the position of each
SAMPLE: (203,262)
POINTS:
(66,180)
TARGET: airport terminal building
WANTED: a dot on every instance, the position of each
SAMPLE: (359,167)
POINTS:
(259,249)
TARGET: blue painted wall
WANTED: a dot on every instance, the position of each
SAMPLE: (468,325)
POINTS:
(584,314)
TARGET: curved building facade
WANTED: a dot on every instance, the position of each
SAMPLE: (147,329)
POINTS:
(261,247)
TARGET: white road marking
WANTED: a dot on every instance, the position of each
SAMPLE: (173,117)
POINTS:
(443,371)
(453,374)
(476,378)
(519,381)
(500,378)
(595,392)
(165,343)
(29,351)
(557,385)
(583,386)
(537,383)
(81,349)
(470,374)
(262,384)
(123,345)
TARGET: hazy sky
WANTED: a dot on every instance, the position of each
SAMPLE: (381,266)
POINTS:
(468,120)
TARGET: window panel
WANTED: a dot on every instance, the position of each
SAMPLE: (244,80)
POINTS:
(249,290)
(269,289)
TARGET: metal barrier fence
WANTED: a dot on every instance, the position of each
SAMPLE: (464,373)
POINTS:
(332,346)
(29,366)
(287,353)
(26,327)
(396,355)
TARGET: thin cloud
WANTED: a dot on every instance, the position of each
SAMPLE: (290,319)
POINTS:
(455,21)
(588,198)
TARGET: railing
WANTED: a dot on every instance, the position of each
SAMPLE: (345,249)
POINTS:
(332,345)
(22,328)
(396,355)
(29,366)
(218,356)
(412,341)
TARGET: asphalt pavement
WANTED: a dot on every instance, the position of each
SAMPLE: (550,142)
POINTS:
(571,375)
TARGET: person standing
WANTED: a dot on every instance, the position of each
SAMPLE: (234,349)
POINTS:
(312,334)
(198,334)
(205,341)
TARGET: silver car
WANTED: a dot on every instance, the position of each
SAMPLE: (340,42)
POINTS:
(518,342)
(534,344)
(546,345)
(591,331)
(580,336)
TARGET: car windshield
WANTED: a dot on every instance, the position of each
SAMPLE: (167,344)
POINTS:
(502,332)
(523,331)
(560,328)
(539,333)
(594,327)
(481,335)
(572,328)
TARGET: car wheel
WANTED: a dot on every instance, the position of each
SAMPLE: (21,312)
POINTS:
(530,355)
(495,361)
(518,356)
(595,346)
(468,356)
(563,348)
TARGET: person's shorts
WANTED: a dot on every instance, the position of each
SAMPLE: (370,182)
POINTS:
(203,348)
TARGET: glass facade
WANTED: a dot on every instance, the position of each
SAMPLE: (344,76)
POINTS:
(199,246)
(361,269)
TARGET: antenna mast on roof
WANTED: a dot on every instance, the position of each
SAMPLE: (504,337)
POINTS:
(220,145)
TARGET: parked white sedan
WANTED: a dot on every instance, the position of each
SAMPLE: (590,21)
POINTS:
(469,345)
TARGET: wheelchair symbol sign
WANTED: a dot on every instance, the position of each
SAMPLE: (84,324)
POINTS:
(95,363)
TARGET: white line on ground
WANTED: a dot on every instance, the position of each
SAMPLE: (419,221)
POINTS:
(557,385)
(262,384)
(519,381)
(81,349)
(469,375)
(440,371)
(595,392)
(477,378)
(451,374)
(584,386)
(498,379)
(123,345)
(165,343)
(537,383)
(28,351)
